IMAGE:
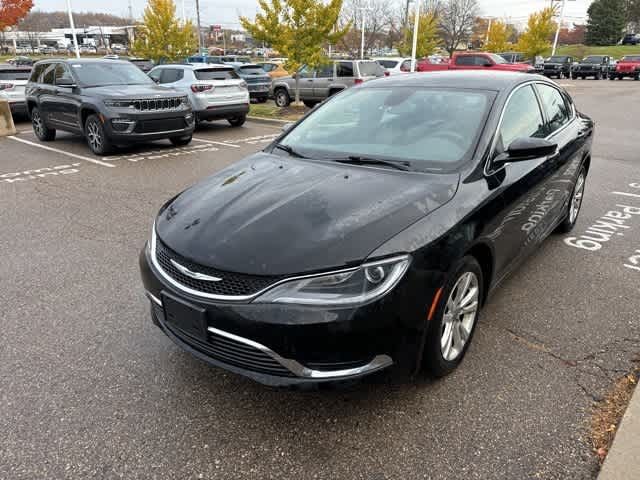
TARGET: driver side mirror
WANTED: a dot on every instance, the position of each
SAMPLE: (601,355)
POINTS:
(525,148)
(66,82)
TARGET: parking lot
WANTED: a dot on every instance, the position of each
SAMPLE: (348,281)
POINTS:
(91,389)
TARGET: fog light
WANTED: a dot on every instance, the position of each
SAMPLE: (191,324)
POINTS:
(122,125)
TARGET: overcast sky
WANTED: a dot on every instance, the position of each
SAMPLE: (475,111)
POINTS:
(226,11)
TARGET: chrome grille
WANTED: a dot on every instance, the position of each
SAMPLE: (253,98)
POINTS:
(158,104)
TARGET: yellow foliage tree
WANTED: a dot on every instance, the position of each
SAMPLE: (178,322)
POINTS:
(428,38)
(161,36)
(537,38)
(499,35)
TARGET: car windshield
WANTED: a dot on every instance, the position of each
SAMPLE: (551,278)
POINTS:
(497,58)
(370,69)
(109,73)
(388,63)
(15,74)
(216,74)
(433,129)
(557,59)
(593,60)
(631,58)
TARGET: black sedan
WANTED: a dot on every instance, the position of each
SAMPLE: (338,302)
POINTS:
(370,233)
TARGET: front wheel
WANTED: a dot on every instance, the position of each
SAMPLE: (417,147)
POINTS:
(575,202)
(97,139)
(237,121)
(44,133)
(456,315)
(181,141)
(282,98)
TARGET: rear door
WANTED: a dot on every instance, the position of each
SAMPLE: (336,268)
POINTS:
(47,93)
(306,81)
(67,105)
(323,81)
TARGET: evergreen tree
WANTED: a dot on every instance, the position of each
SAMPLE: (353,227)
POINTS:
(607,21)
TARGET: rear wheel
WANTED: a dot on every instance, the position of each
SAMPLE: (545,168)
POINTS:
(598,76)
(181,141)
(282,98)
(44,133)
(452,327)
(575,202)
(96,137)
(237,121)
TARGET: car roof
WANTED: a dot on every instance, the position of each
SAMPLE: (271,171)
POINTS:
(458,79)
(194,66)
(84,60)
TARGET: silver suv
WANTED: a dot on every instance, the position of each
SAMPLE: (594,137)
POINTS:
(215,91)
(319,84)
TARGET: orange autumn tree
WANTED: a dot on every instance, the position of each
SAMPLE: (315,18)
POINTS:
(12,11)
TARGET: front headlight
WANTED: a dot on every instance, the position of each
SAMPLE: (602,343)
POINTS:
(119,103)
(345,287)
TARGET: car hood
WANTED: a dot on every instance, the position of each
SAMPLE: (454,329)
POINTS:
(268,215)
(133,91)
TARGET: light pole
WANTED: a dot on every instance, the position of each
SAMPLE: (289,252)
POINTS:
(362,11)
(198,27)
(414,48)
(73,29)
(184,15)
(555,40)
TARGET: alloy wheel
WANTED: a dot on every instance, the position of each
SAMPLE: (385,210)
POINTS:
(94,135)
(459,316)
(576,199)
(37,124)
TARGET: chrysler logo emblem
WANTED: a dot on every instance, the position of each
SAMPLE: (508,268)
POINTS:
(195,275)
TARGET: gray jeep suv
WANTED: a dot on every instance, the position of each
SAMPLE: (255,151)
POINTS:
(318,84)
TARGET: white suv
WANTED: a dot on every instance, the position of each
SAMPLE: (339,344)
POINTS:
(215,91)
(12,82)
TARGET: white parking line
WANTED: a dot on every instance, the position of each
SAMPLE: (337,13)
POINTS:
(215,143)
(68,154)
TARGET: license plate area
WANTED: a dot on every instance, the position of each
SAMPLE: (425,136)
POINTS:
(184,316)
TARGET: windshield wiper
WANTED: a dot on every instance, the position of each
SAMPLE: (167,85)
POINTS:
(358,160)
(289,150)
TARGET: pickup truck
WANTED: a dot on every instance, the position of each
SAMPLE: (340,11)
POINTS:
(475,61)
(628,66)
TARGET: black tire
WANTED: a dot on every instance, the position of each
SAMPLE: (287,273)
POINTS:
(96,136)
(44,133)
(281,97)
(612,77)
(434,360)
(262,99)
(570,219)
(637,77)
(310,103)
(181,141)
(237,121)
(598,76)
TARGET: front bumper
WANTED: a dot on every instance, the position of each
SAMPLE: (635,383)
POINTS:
(280,345)
(124,127)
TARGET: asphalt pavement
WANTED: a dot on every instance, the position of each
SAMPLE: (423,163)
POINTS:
(89,388)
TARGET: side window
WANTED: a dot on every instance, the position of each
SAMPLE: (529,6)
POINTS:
(61,72)
(155,75)
(555,106)
(345,69)
(522,118)
(326,71)
(406,66)
(480,60)
(37,71)
(305,72)
(48,75)
(267,67)
(465,60)
(170,75)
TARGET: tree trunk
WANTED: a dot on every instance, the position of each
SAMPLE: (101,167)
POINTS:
(297,99)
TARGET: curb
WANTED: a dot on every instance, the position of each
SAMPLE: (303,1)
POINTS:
(272,121)
(622,461)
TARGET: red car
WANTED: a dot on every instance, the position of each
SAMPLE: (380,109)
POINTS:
(475,61)
(628,66)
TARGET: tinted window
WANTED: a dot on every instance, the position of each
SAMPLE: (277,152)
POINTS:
(109,72)
(433,128)
(37,71)
(326,71)
(48,75)
(344,69)
(558,59)
(594,59)
(252,70)
(61,72)
(155,75)
(631,58)
(522,118)
(370,69)
(15,74)
(388,63)
(466,60)
(216,74)
(170,75)
(267,67)
(555,107)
